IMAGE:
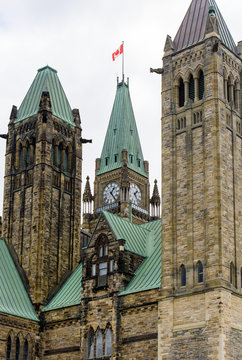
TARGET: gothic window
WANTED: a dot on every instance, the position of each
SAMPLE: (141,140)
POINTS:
(17,354)
(59,156)
(99,344)
(200,85)
(28,154)
(228,89)
(103,264)
(108,343)
(183,275)
(53,153)
(9,348)
(26,349)
(199,272)
(91,344)
(191,88)
(181,93)
(102,274)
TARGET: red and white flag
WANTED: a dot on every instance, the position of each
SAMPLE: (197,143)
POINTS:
(118,52)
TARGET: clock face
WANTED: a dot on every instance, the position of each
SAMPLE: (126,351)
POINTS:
(135,194)
(111,193)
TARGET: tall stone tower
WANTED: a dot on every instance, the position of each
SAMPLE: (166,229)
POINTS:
(200,310)
(122,175)
(42,188)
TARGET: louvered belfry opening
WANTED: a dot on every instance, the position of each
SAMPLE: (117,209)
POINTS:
(200,85)
(181,93)
(191,88)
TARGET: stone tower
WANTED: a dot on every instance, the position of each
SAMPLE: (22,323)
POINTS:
(42,188)
(121,176)
(201,304)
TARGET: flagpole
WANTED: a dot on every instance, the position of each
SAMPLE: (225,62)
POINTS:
(123,62)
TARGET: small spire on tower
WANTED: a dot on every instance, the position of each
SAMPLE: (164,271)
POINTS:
(87,198)
(155,202)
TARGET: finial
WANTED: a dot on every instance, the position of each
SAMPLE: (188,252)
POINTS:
(211,10)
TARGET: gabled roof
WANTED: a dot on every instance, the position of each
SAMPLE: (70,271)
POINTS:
(148,275)
(69,294)
(46,80)
(192,29)
(14,299)
(122,134)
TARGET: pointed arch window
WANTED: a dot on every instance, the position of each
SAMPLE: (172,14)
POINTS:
(21,157)
(53,153)
(9,348)
(66,156)
(99,344)
(91,344)
(199,272)
(108,343)
(232,274)
(28,154)
(17,354)
(59,156)
(191,88)
(181,93)
(200,85)
(26,349)
(183,275)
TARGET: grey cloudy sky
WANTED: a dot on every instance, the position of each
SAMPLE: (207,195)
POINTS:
(77,38)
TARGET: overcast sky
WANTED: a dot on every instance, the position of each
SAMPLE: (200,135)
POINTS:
(77,38)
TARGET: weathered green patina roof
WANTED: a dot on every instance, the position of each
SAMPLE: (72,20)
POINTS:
(14,299)
(46,80)
(69,294)
(192,29)
(122,134)
(148,275)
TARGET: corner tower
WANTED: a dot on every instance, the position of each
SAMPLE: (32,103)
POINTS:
(201,190)
(42,187)
(121,177)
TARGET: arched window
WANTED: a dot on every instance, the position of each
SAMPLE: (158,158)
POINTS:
(26,349)
(9,348)
(28,154)
(108,343)
(199,272)
(200,85)
(183,275)
(99,344)
(191,88)
(181,93)
(228,89)
(91,344)
(17,354)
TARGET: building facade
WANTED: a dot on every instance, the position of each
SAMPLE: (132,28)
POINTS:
(126,285)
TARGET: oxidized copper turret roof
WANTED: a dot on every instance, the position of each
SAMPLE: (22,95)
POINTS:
(155,199)
(192,29)
(87,195)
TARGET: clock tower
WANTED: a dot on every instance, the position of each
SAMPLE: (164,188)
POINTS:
(122,176)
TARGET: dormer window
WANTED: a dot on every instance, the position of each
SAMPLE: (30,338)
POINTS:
(116,158)
(106,161)
(139,162)
(102,265)
(131,158)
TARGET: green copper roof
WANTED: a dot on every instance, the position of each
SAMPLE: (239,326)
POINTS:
(122,134)
(145,240)
(14,299)
(46,80)
(192,29)
(69,294)
(148,275)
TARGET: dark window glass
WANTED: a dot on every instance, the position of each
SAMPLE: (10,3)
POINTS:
(116,158)
(102,277)
(191,88)
(181,93)
(66,160)
(200,272)
(21,157)
(183,276)
(17,349)
(231,273)
(26,349)
(28,155)
(91,346)
(9,348)
(200,85)
(59,156)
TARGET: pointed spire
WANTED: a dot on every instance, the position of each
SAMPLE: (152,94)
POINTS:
(195,24)
(169,46)
(87,195)
(155,202)
(46,81)
(122,134)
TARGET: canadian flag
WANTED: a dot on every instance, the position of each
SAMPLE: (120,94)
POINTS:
(118,52)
